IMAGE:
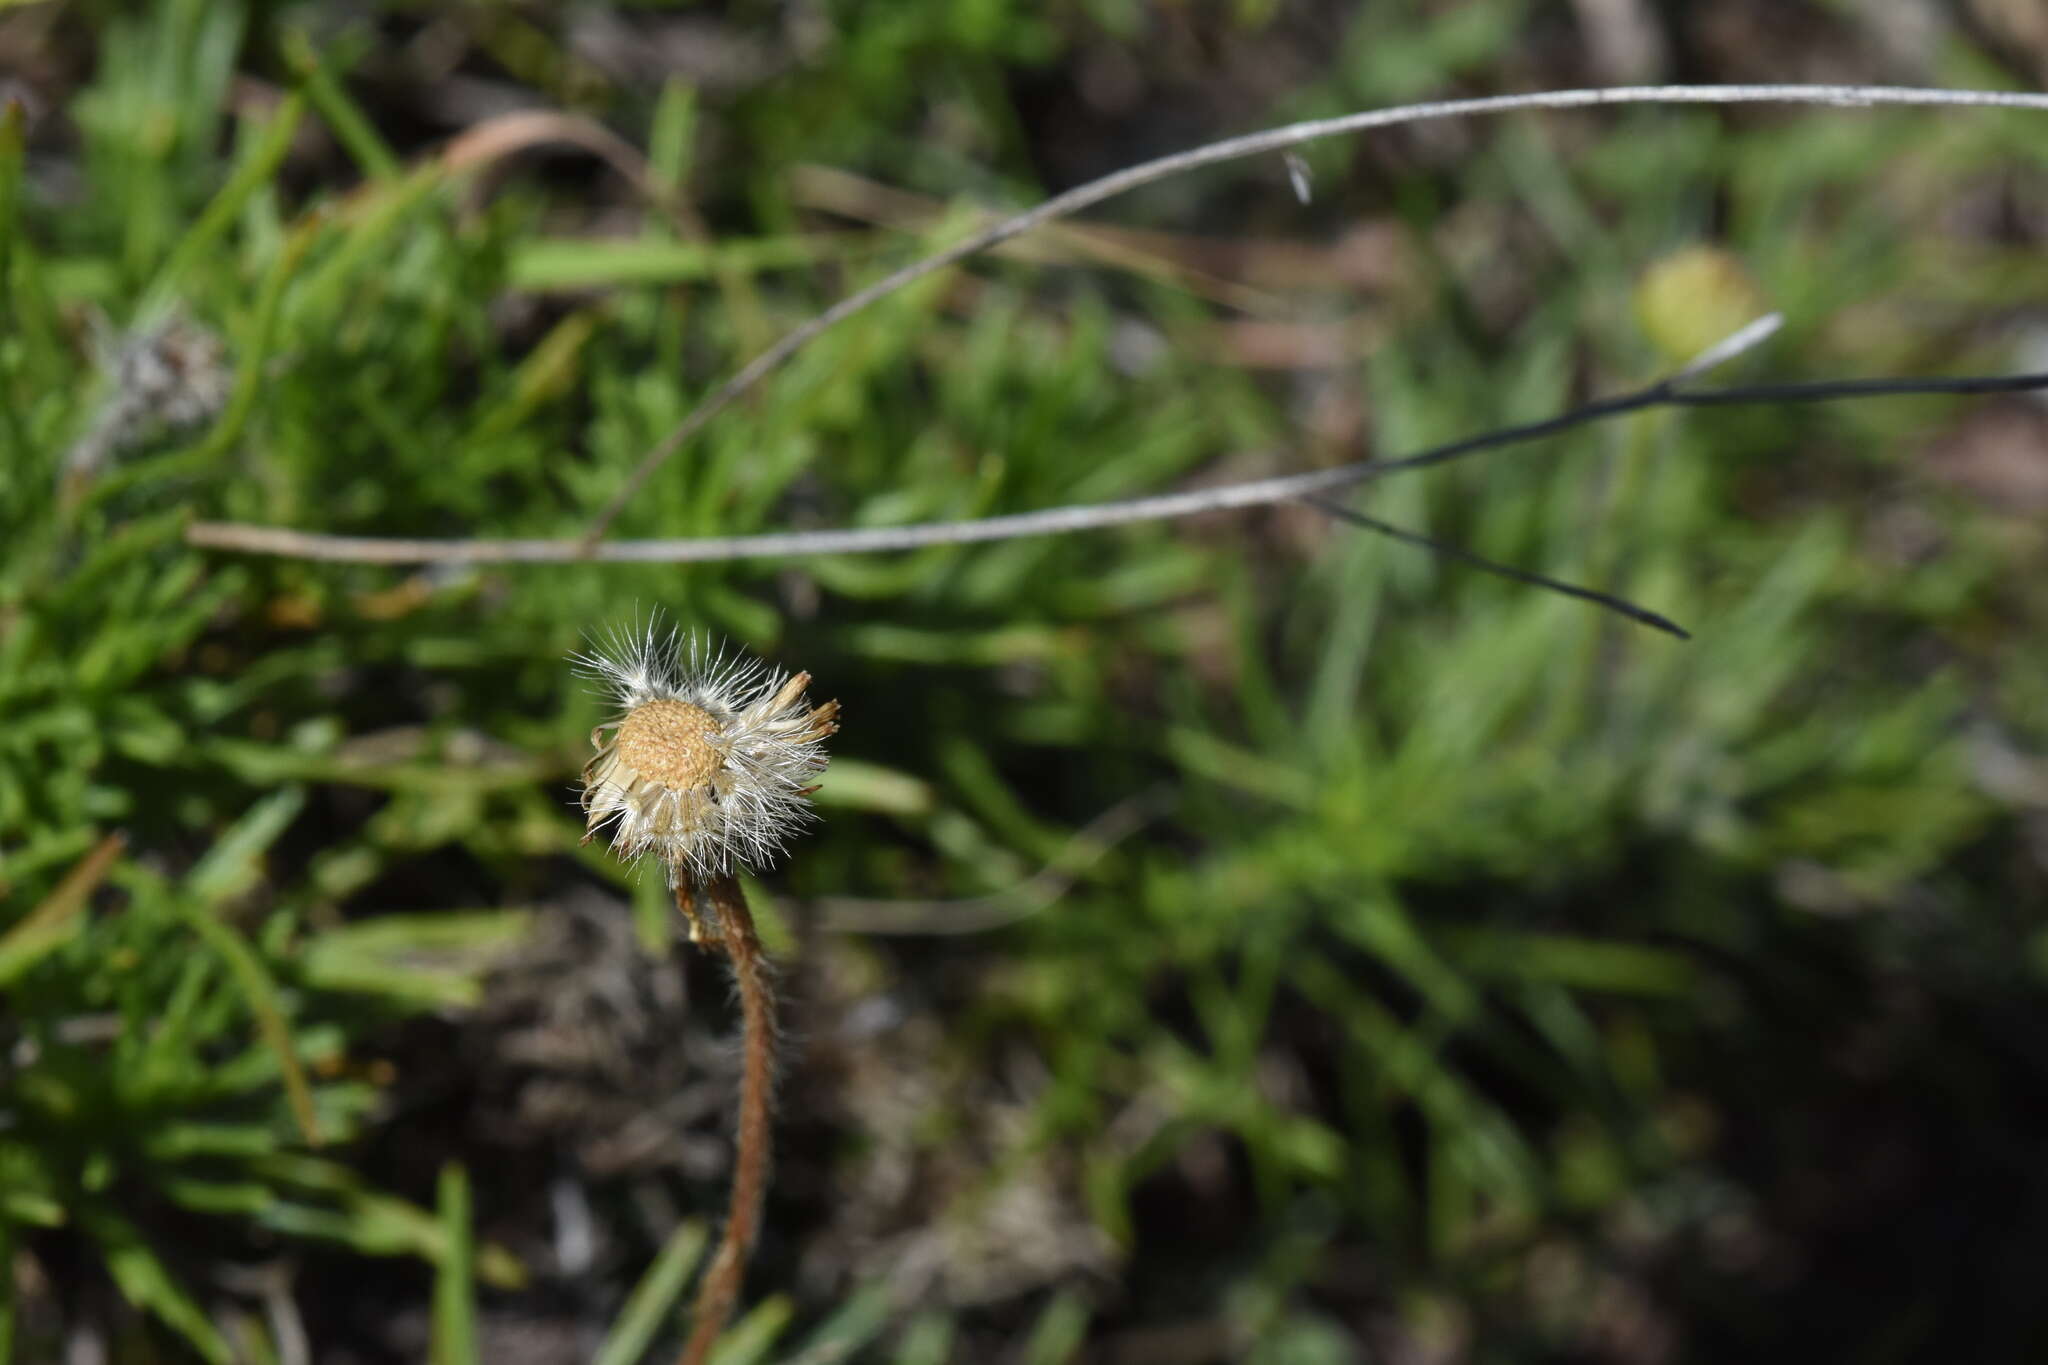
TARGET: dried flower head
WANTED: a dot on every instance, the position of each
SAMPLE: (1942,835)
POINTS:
(710,763)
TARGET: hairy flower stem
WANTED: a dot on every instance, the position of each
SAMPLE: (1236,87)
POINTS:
(731,926)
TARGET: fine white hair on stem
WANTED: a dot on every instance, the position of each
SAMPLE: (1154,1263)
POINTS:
(1256,144)
(274,540)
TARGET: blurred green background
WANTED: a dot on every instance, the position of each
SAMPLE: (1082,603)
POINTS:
(1238,939)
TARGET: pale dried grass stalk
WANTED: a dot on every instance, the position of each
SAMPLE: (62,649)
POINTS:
(590,546)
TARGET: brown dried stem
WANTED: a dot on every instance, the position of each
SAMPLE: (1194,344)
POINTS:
(731,926)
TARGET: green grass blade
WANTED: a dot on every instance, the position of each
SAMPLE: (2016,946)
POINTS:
(256,347)
(331,102)
(455,1284)
(230,865)
(259,993)
(257,169)
(652,1302)
(928,1340)
(1058,1333)
(146,1282)
(747,1341)
(853,1325)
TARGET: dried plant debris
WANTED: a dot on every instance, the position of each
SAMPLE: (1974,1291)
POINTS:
(167,375)
(586,1040)
(943,1195)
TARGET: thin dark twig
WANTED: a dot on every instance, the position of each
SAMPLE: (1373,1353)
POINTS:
(1256,144)
(1464,556)
(273,540)
(1830,390)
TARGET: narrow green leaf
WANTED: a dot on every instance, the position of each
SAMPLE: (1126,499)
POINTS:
(432,960)
(27,944)
(379,212)
(26,1188)
(651,1304)
(213,1196)
(928,1340)
(853,1325)
(145,1282)
(1058,1333)
(254,360)
(350,126)
(856,785)
(581,263)
(454,1285)
(55,920)
(549,370)
(259,993)
(256,170)
(226,867)
(1584,963)
(669,140)
(178,1139)
(747,1341)
(373,1223)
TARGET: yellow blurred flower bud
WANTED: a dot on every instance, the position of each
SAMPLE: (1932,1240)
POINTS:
(1693,298)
